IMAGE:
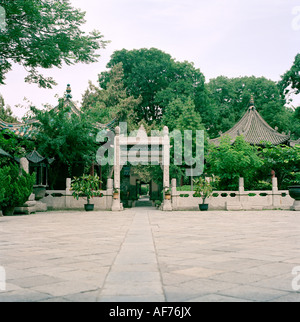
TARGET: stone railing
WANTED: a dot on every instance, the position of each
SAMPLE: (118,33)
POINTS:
(63,199)
(234,200)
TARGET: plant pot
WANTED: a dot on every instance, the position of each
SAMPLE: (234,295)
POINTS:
(203,207)
(116,195)
(168,197)
(39,192)
(9,211)
(294,192)
(89,207)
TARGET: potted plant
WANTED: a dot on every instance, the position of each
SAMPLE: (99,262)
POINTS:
(203,189)
(167,194)
(86,186)
(116,193)
(16,187)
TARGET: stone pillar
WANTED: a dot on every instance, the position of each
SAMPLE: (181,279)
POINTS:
(174,194)
(109,193)
(24,164)
(116,204)
(275,193)
(166,158)
(29,206)
(68,193)
(241,185)
(243,198)
(167,204)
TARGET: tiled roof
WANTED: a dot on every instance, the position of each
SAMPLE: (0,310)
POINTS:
(255,130)
(27,128)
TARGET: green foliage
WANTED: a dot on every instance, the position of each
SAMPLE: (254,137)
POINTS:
(144,190)
(230,162)
(290,81)
(158,203)
(45,33)
(86,186)
(15,187)
(203,188)
(66,136)
(184,188)
(15,146)
(263,185)
(6,113)
(181,115)
(104,105)
(229,99)
(157,78)
(284,160)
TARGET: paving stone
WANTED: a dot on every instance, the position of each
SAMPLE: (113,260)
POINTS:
(252,293)
(143,255)
(217,298)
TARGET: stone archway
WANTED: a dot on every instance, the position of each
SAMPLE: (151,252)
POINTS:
(141,149)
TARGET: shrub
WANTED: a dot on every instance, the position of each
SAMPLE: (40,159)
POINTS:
(16,186)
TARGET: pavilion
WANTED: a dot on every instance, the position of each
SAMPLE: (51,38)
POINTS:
(255,130)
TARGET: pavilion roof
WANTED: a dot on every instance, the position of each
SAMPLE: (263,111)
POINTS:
(255,130)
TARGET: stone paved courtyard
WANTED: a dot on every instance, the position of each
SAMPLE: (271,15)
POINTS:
(143,254)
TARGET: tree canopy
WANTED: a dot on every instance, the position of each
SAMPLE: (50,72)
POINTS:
(113,102)
(229,99)
(6,113)
(67,137)
(290,80)
(44,34)
(157,78)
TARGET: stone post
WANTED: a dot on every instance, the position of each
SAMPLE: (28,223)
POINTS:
(68,196)
(174,194)
(24,164)
(116,204)
(241,185)
(243,198)
(167,204)
(275,193)
(29,206)
(109,193)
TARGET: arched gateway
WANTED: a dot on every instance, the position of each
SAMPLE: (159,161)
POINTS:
(145,150)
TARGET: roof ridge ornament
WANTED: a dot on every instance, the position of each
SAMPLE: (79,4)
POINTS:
(251,105)
(68,90)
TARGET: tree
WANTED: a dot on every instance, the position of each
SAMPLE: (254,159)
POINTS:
(105,105)
(157,78)
(230,97)
(290,80)
(230,162)
(181,115)
(284,160)
(67,137)
(6,113)
(45,33)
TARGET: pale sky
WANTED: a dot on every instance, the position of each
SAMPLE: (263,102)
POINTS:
(221,37)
